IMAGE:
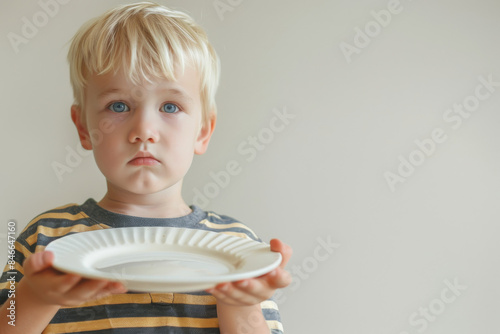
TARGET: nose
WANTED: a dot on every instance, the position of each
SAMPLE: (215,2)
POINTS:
(144,127)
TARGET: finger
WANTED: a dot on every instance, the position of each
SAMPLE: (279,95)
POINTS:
(38,262)
(245,292)
(51,286)
(54,284)
(285,250)
(116,287)
(66,282)
(278,278)
(109,289)
(229,294)
(257,289)
(86,289)
(219,292)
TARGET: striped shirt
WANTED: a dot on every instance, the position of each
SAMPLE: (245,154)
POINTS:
(129,313)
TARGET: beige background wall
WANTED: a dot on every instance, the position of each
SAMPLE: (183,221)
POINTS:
(407,99)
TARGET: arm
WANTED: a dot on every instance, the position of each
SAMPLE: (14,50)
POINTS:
(241,319)
(238,303)
(30,316)
(43,290)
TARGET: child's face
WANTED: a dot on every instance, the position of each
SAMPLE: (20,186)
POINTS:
(144,137)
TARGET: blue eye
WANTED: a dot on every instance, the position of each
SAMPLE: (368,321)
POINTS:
(169,108)
(118,107)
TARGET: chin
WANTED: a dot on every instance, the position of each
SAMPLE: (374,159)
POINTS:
(151,187)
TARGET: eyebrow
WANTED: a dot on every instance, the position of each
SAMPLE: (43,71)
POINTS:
(178,92)
(108,92)
(173,91)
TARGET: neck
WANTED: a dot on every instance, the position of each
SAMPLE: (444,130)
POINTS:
(158,205)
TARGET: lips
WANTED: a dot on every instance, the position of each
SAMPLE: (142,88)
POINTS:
(144,159)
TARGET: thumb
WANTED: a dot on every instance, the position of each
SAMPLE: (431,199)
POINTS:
(285,250)
(38,262)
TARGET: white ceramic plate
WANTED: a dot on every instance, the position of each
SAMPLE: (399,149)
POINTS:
(162,259)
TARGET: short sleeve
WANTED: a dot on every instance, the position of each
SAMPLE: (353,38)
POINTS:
(272,315)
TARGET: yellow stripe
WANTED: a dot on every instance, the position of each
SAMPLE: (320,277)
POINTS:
(22,249)
(49,214)
(164,298)
(144,322)
(274,324)
(269,304)
(58,215)
(144,298)
(213,214)
(60,231)
(236,234)
(226,226)
(134,298)
(65,215)
(180,298)
(39,248)
(65,206)
(17,266)
(54,215)
(5,285)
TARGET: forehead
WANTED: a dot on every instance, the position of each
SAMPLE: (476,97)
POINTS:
(186,85)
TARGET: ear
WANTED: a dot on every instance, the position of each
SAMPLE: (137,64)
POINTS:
(205,134)
(83,133)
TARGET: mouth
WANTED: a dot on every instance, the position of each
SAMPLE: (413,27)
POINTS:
(143,158)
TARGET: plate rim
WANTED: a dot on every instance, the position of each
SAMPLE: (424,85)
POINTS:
(144,279)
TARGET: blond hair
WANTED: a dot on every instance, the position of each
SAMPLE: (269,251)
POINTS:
(148,41)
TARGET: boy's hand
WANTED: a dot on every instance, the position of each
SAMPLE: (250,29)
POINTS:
(256,290)
(53,287)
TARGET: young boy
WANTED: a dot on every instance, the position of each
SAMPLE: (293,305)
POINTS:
(144,79)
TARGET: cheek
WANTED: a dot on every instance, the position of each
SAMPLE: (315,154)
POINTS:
(180,148)
(104,156)
(100,130)
(179,136)
(105,147)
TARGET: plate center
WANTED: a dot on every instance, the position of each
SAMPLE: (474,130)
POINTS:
(162,264)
